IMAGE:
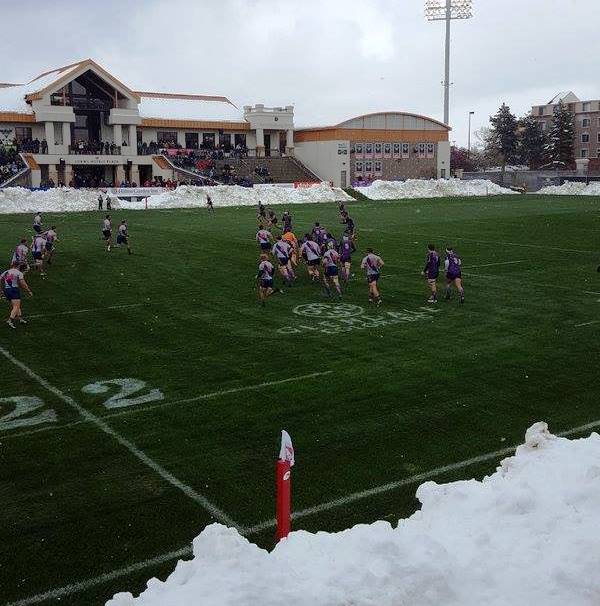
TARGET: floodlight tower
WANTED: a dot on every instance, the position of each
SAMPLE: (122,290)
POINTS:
(447,10)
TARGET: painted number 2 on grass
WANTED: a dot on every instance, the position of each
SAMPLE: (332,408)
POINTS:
(128,387)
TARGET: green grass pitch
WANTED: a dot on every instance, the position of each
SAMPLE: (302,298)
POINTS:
(372,399)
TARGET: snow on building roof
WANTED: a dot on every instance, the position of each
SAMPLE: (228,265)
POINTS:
(566,96)
(13,97)
(188,107)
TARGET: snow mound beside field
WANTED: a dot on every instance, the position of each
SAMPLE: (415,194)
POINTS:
(528,534)
(187,196)
(63,199)
(431,188)
(572,188)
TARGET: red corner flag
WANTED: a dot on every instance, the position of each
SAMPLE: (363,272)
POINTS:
(284,485)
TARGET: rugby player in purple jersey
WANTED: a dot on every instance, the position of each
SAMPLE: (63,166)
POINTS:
(264,238)
(453,274)
(311,251)
(431,271)
(372,265)
(319,234)
(264,279)
(346,248)
(282,251)
(11,282)
(331,260)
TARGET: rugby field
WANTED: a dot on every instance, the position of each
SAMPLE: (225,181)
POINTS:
(145,398)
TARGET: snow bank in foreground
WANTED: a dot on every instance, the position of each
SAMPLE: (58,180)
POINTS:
(572,188)
(21,200)
(528,534)
(64,199)
(233,195)
(432,188)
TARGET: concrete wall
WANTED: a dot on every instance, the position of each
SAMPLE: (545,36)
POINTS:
(323,159)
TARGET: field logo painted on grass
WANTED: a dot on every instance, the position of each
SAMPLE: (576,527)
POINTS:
(22,406)
(128,388)
(344,317)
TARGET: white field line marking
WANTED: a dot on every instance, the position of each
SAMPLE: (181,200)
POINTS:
(173,555)
(587,323)
(509,279)
(492,264)
(206,396)
(57,594)
(130,446)
(495,243)
(85,311)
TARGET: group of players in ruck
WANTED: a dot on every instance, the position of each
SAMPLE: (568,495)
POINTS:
(41,251)
(329,261)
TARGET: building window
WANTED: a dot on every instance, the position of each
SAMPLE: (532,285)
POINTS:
(585,106)
(368,167)
(191,140)
(421,150)
(584,153)
(368,148)
(540,111)
(358,148)
(387,149)
(405,150)
(377,167)
(585,138)
(598,153)
(396,149)
(378,149)
(22,133)
(166,137)
(430,150)
(208,140)
(358,167)
(585,122)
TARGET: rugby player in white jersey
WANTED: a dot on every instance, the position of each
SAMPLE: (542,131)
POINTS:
(264,279)
(372,265)
(20,255)
(264,239)
(107,232)
(123,236)
(282,251)
(38,248)
(51,237)
(331,260)
(311,251)
(11,282)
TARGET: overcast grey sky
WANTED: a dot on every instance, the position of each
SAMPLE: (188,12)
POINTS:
(332,59)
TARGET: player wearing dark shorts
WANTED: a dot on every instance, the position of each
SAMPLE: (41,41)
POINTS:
(123,236)
(264,279)
(264,239)
(453,266)
(287,221)
(431,271)
(11,282)
(311,252)
(282,251)
(51,237)
(38,247)
(346,248)
(209,204)
(372,265)
(37,223)
(331,259)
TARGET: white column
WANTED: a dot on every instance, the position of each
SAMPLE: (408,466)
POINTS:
(117,134)
(133,140)
(289,141)
(66,132)
(49,127)
(260,142)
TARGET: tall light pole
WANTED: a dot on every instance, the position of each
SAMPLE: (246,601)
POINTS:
(447,10)
(469,144)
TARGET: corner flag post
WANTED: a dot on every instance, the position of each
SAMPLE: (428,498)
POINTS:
(283,477)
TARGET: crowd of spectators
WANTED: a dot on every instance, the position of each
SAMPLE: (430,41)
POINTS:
(264,174)
(96,148)
(204,165)
(10,162)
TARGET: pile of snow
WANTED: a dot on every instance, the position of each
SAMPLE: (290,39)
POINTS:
(432,188)
(572,188)
(528,534)
(63,199)
(187,196)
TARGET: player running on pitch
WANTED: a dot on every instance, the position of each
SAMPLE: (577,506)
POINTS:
(282,252)
(431,271)
(264,239)
(346,248)
(12,281)
(287,221)
(453,265)
(38,247)
(37,223)
(312,253)
(264,278)
(20,255)
(261,214)
(319,234)
(372,265)
(291,239)
(107,232)
(209,204)
(51,238)
(331,259)
(123,236)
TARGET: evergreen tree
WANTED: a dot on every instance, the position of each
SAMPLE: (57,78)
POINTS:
(532,142)
(503,135)
(560,144)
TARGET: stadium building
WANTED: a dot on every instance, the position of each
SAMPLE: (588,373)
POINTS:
(386,145)
(80,119)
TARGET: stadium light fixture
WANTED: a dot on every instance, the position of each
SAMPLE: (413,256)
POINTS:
(448,10)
